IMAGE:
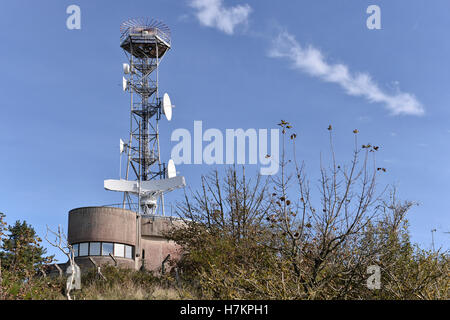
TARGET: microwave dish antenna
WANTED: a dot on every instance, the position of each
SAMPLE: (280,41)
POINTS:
(167,107)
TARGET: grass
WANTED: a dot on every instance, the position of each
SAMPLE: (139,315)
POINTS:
(124,284)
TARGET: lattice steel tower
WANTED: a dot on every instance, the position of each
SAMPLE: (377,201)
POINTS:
(145,42)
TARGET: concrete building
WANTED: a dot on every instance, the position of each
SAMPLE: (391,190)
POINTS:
(121,237)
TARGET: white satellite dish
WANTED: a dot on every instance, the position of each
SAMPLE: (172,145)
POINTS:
(124,84)
(123,146)
(171,171)
(167,106)
(126,68)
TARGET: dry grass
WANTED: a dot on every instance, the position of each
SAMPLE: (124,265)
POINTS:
(129,285)
(128,291)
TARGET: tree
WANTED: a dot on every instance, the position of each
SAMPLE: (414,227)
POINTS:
(224,231)
(329,239)
(2,228)
(21,252)
(280,240)
(61,242)
(321,232)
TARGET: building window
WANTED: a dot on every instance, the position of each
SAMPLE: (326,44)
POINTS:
(119,250)
(94,249)
(107,248)
(84,249)
(102,249)
(75,249)
(128,252)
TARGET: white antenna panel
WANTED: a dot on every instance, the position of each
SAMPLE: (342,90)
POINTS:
(171,170)
(126,68)
(124,84)
(123,146)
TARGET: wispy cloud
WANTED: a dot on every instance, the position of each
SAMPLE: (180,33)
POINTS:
(213,13)
(311,61)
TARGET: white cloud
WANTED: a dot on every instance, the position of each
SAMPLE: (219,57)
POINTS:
(212,13)
(311,61)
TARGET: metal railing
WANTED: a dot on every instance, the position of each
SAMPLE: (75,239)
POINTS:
(152,26)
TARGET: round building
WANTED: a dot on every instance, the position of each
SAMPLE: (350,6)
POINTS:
(115,236)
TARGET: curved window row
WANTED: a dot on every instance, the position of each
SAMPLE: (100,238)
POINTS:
(120,250)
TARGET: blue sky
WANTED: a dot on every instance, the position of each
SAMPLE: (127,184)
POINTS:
(62,110)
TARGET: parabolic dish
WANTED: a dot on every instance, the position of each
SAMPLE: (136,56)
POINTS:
(171,170)
(167,107)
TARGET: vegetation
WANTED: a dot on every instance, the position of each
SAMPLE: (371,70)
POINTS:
(264,238)
(21,259)
(276,239)
(124,284)
(23,274)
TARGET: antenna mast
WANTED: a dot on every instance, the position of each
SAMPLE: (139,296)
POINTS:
(144,42)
